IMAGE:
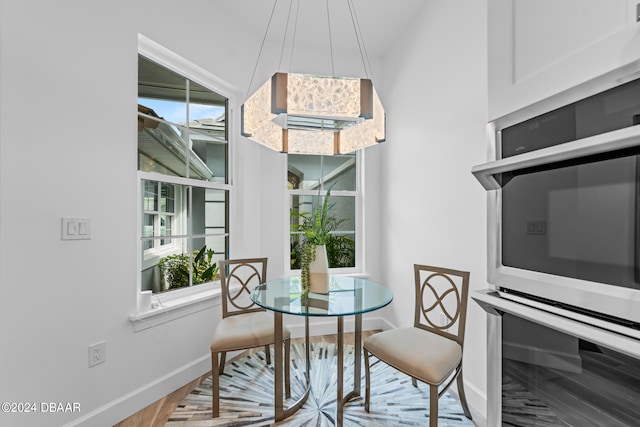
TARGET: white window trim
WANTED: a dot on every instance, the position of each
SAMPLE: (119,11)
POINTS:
(182,302)
(178,303)
(358,270)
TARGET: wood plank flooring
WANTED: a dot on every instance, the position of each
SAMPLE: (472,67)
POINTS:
(157,414)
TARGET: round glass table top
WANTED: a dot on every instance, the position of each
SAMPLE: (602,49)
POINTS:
(347,296)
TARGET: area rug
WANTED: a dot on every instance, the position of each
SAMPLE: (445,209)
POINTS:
(246,395)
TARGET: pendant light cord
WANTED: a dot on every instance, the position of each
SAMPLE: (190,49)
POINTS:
(356,28)
(264,38)
(333,71)
(284,38)
(295,30)
(358,32)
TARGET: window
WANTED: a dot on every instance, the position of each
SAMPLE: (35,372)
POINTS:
(183,178)
(309,177)
(158,213)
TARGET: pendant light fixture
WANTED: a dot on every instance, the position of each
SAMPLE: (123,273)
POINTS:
(312,114)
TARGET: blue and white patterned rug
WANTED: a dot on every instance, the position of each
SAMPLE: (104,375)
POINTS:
(246,395)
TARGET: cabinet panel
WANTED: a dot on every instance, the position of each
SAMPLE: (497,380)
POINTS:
(543,47)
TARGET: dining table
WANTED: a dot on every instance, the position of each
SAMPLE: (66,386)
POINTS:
(347,296)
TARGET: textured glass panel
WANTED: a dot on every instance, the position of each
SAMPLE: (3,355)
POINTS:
(257,119)
(323,96)
(315,107)
(311,142)
(368,133)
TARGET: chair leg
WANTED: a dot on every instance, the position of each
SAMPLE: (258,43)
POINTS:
(414,382)
(463,398)
(223,361)
(433,406)
(267,353)
(287,368)
(215,386)
(367,380)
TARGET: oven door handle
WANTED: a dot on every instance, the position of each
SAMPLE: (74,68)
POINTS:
(490,174)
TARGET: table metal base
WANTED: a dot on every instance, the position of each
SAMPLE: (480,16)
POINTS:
(280,411)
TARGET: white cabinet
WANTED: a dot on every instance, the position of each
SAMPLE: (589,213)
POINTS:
(538,48)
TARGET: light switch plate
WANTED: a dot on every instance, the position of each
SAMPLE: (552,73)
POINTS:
(76,228)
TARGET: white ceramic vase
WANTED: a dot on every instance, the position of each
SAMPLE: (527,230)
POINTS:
(319,272)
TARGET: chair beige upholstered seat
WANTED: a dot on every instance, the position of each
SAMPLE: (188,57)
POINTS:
(244,325)
(431,350)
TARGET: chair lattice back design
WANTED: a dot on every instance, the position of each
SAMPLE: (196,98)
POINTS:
(431,350)
(441,300)
(238,278)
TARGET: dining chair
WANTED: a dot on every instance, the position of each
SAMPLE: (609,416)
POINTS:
(430,350)
(244,324)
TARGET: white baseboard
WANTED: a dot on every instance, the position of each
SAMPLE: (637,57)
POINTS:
(136,400)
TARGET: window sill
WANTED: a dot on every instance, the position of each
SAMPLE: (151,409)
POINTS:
(177,304)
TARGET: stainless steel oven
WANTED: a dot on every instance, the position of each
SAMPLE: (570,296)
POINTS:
(563,183)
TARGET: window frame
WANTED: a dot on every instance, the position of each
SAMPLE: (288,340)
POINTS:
(178,299)
(359,217)
(158,246)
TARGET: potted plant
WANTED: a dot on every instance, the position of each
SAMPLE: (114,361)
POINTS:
(175,268)
(316,227)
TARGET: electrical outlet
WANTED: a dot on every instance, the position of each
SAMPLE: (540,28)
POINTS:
(97,353)
(443,319)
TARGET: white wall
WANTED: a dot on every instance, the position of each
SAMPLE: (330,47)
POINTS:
(433,209)
(68,148)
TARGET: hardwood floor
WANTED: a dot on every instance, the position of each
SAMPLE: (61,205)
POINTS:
(157,414)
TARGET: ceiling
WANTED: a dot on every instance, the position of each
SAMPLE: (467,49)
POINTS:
(380,22)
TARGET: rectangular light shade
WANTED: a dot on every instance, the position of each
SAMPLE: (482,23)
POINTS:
(308,114)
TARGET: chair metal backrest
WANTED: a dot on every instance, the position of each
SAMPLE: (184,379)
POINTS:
(441,301)
(238,277)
